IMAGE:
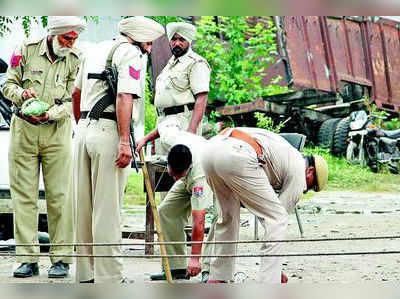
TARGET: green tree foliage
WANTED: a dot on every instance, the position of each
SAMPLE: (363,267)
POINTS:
(26,21)
(150,111)
(164,20)
(267,123)
(239,50)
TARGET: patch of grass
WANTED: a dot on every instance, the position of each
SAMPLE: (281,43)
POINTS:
(344,176)
(134,191)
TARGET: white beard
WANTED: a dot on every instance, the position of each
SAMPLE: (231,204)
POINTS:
(58,50)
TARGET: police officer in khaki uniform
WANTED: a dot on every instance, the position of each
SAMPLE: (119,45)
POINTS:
(44,68)
(189,196)
(181,91)
(183,85)
(102,151)
(250,166)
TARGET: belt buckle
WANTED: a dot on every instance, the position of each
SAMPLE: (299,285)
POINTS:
(261,159)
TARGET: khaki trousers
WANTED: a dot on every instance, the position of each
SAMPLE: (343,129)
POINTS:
(175,211)
(49,147)
(99,189)
(235,177)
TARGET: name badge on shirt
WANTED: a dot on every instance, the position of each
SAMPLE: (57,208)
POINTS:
(198,191)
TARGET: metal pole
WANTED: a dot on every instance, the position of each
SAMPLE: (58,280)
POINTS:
(299,221)
(255,227)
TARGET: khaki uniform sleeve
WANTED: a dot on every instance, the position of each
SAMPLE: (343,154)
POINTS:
(129,64)
(294,184)
(200,77)
(201,198)
(64,110)
(12,89)
(196,183)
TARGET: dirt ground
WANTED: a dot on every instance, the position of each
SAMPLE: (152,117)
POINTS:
(326,215)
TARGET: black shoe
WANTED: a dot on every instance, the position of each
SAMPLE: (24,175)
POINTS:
(175,273)
(87,281)
(59,270)
(126,280)
(204,276)
(27,270)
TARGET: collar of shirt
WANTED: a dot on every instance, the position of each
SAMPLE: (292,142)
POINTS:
(174,60)
(44,49)
(122,38)
(188,172)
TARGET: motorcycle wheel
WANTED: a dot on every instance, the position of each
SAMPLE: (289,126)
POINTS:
(394,167)
(355,155)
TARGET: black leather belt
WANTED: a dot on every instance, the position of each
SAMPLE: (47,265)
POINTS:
(106,115)
(177,109)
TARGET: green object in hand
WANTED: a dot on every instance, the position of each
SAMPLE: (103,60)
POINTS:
(34,107)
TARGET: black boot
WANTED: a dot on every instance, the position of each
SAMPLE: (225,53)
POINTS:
(87,281)
(59,270)
(175,273)
(204,276)
(27,270)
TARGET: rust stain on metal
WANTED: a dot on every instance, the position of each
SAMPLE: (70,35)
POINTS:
(325,53)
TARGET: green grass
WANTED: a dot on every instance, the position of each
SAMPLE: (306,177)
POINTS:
(134,191)
(342,177)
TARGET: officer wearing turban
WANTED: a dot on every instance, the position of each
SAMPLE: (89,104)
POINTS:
(44,69)
(102,151)
(181,97)
(183,85)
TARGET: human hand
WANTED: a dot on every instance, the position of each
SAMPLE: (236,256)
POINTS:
(194,267)
(140,144)
(124,155)
(29,93)
(36,120)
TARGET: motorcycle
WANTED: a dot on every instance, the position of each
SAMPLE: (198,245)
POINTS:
(371,146)
(5,105)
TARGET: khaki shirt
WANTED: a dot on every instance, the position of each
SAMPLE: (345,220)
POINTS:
(195,180)
(285,166)
(31,67)
(181,79)
(129,61)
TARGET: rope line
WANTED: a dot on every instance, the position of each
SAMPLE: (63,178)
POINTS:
(218,242)
(207,255)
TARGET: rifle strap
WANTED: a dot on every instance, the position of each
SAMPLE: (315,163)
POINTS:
(108,99)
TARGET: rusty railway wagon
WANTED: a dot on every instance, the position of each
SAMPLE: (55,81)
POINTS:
(331,64)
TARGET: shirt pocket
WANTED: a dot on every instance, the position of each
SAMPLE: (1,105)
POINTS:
(180,81)
(33,79)
(60,85)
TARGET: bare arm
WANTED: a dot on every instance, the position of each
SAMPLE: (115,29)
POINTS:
(124,116)
(198,217)
(153,135)
(198,111)
(76,103)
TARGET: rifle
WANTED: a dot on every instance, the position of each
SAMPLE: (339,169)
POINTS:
(132,142)
(110,76)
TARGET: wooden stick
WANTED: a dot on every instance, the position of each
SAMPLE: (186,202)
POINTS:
(153,205)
